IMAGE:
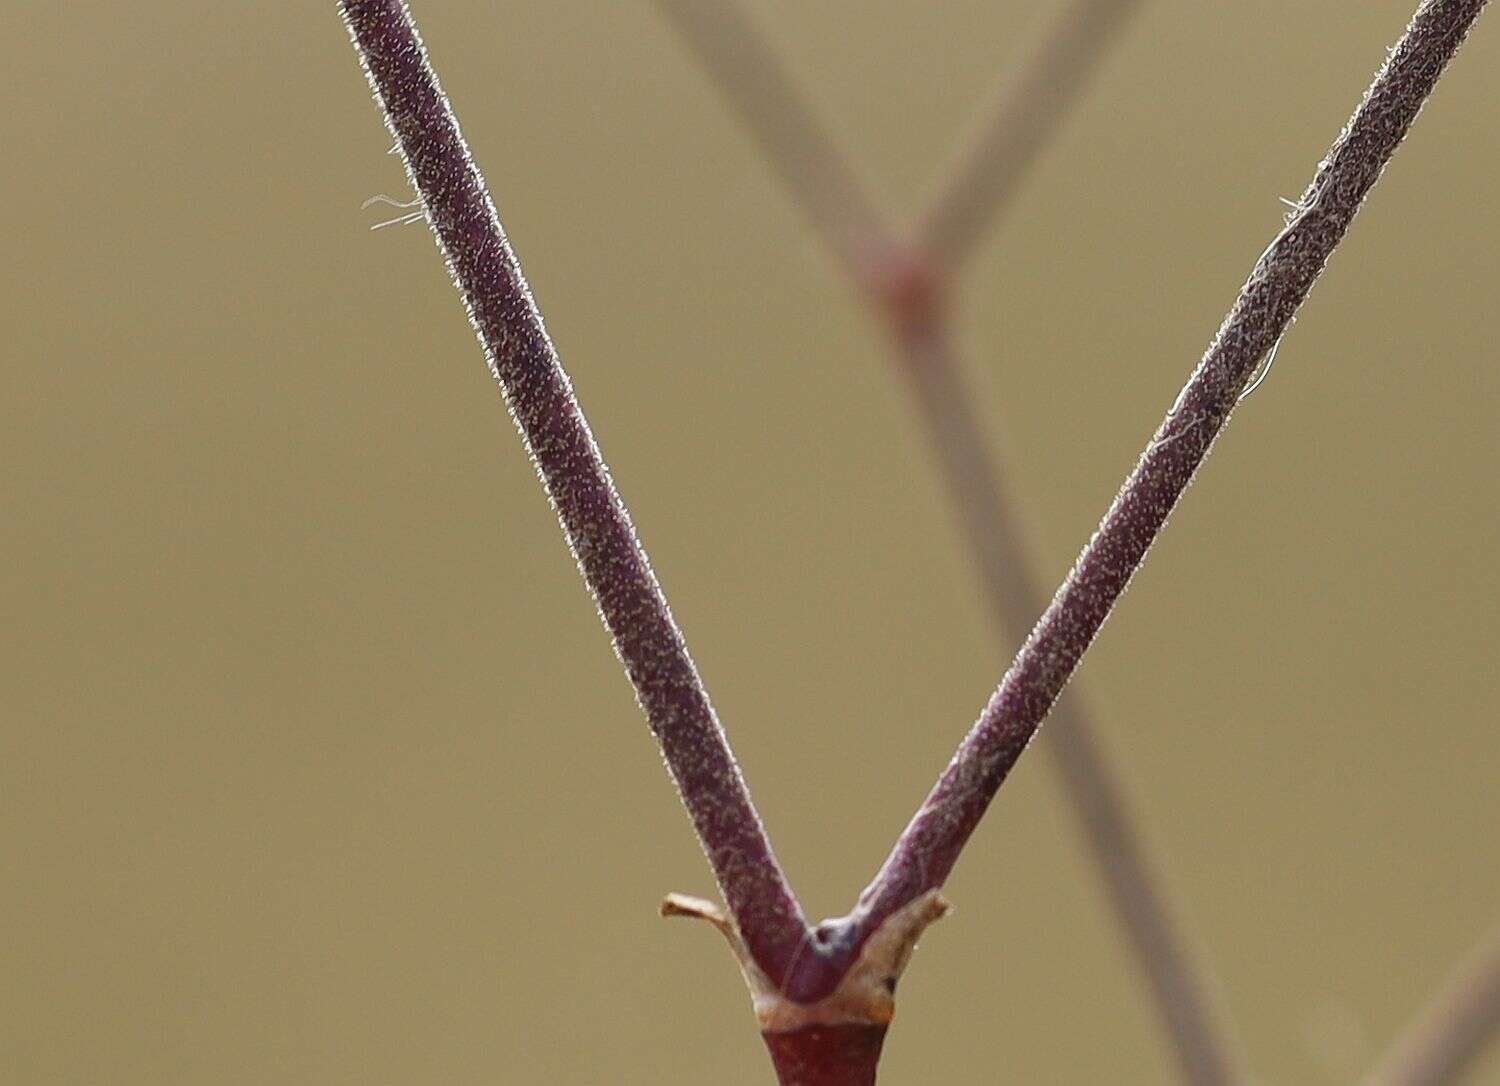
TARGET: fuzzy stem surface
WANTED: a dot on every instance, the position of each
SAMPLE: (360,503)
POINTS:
(1182,987)
(598,527)
(1277,286)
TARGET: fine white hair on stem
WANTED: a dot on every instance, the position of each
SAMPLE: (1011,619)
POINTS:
(401,220)
(1263,370)
(390,201)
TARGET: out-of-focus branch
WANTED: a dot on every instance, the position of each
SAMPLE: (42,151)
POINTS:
(1025,117)
(749,74)
(598,527)
(1461,1019)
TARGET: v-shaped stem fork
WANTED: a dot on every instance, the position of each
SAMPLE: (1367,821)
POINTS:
(803,965)
(909,283)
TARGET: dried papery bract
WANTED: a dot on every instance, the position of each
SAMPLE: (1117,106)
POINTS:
(813,986)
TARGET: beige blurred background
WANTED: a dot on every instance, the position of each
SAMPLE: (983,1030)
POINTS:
(315,763)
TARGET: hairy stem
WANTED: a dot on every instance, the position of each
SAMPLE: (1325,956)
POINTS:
(1276,288)
(1181,986)
(556,435)
(1450,1034)
(813,971)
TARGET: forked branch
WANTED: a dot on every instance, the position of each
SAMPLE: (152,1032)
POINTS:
(813,970)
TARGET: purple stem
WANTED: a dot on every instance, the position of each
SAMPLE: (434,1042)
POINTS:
(1183,989)
(598,528)
(1278,284)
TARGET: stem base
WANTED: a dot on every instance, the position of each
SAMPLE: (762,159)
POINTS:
(844,1055)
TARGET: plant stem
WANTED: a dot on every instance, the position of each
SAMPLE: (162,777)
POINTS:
(1182,987)
(1276,288)
(1029,111)
(811,974)
(556,435)
(826,1055)
(751,77)
(1454,1029)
